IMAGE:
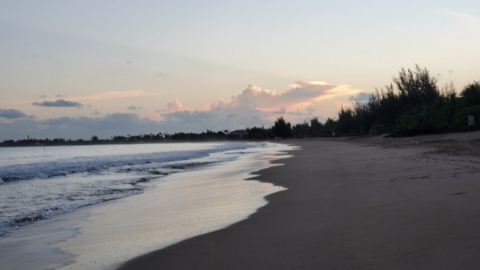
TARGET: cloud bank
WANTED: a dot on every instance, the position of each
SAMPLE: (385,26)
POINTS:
(78,127)
(11,114)
(252,107)
(125,123)
(59,103)
(300,96)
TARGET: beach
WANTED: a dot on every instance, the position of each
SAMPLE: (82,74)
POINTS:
(176,195)
(373,203)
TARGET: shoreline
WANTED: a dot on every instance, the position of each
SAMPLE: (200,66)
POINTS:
(173,208)
(89,143)
(59,176)
(349,205)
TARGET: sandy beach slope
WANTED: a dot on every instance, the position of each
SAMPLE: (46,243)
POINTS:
(363,205)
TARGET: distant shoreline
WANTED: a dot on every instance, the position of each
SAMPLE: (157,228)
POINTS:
(87,143)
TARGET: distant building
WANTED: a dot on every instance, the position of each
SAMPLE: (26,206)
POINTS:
(240,133)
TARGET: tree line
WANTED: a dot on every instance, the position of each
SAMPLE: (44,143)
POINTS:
(209,135)
(413,104)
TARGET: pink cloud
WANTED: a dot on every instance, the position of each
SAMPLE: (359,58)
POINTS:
(174,106)
(219,103)
(260,106)
(300,96)
(152,116)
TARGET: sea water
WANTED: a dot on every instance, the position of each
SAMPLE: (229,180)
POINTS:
(174,199)
(38,183)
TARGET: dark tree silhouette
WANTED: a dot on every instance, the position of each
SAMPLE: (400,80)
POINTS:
(471,94)
(282,128)
(316,127)
(416,87)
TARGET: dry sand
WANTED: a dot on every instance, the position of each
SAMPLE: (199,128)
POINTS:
(353,204)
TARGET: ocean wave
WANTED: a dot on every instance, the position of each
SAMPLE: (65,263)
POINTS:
(70,202)
(57,187)
(93,164)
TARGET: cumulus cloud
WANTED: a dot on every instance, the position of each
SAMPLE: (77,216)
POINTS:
(252,107)
(134,108)
(59,103)
(294,101)
(174,106)
(96,112)
(299,96)
(219,103)
(362,96)
(58,95)
(11,114)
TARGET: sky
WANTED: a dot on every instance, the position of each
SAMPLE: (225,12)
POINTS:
(73,69)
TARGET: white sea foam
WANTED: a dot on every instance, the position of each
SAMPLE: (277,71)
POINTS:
(40,190)
(175,208)
(91,164)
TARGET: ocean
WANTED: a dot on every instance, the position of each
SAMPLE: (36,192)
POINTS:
(38,184)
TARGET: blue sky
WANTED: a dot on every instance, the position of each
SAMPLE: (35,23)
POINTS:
(194,57)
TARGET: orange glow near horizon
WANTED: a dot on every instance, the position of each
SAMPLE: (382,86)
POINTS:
(113,95)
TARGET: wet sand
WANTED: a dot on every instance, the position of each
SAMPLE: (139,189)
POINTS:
(353,204)
(172,209)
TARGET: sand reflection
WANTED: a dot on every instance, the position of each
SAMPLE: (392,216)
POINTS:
(182,206)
